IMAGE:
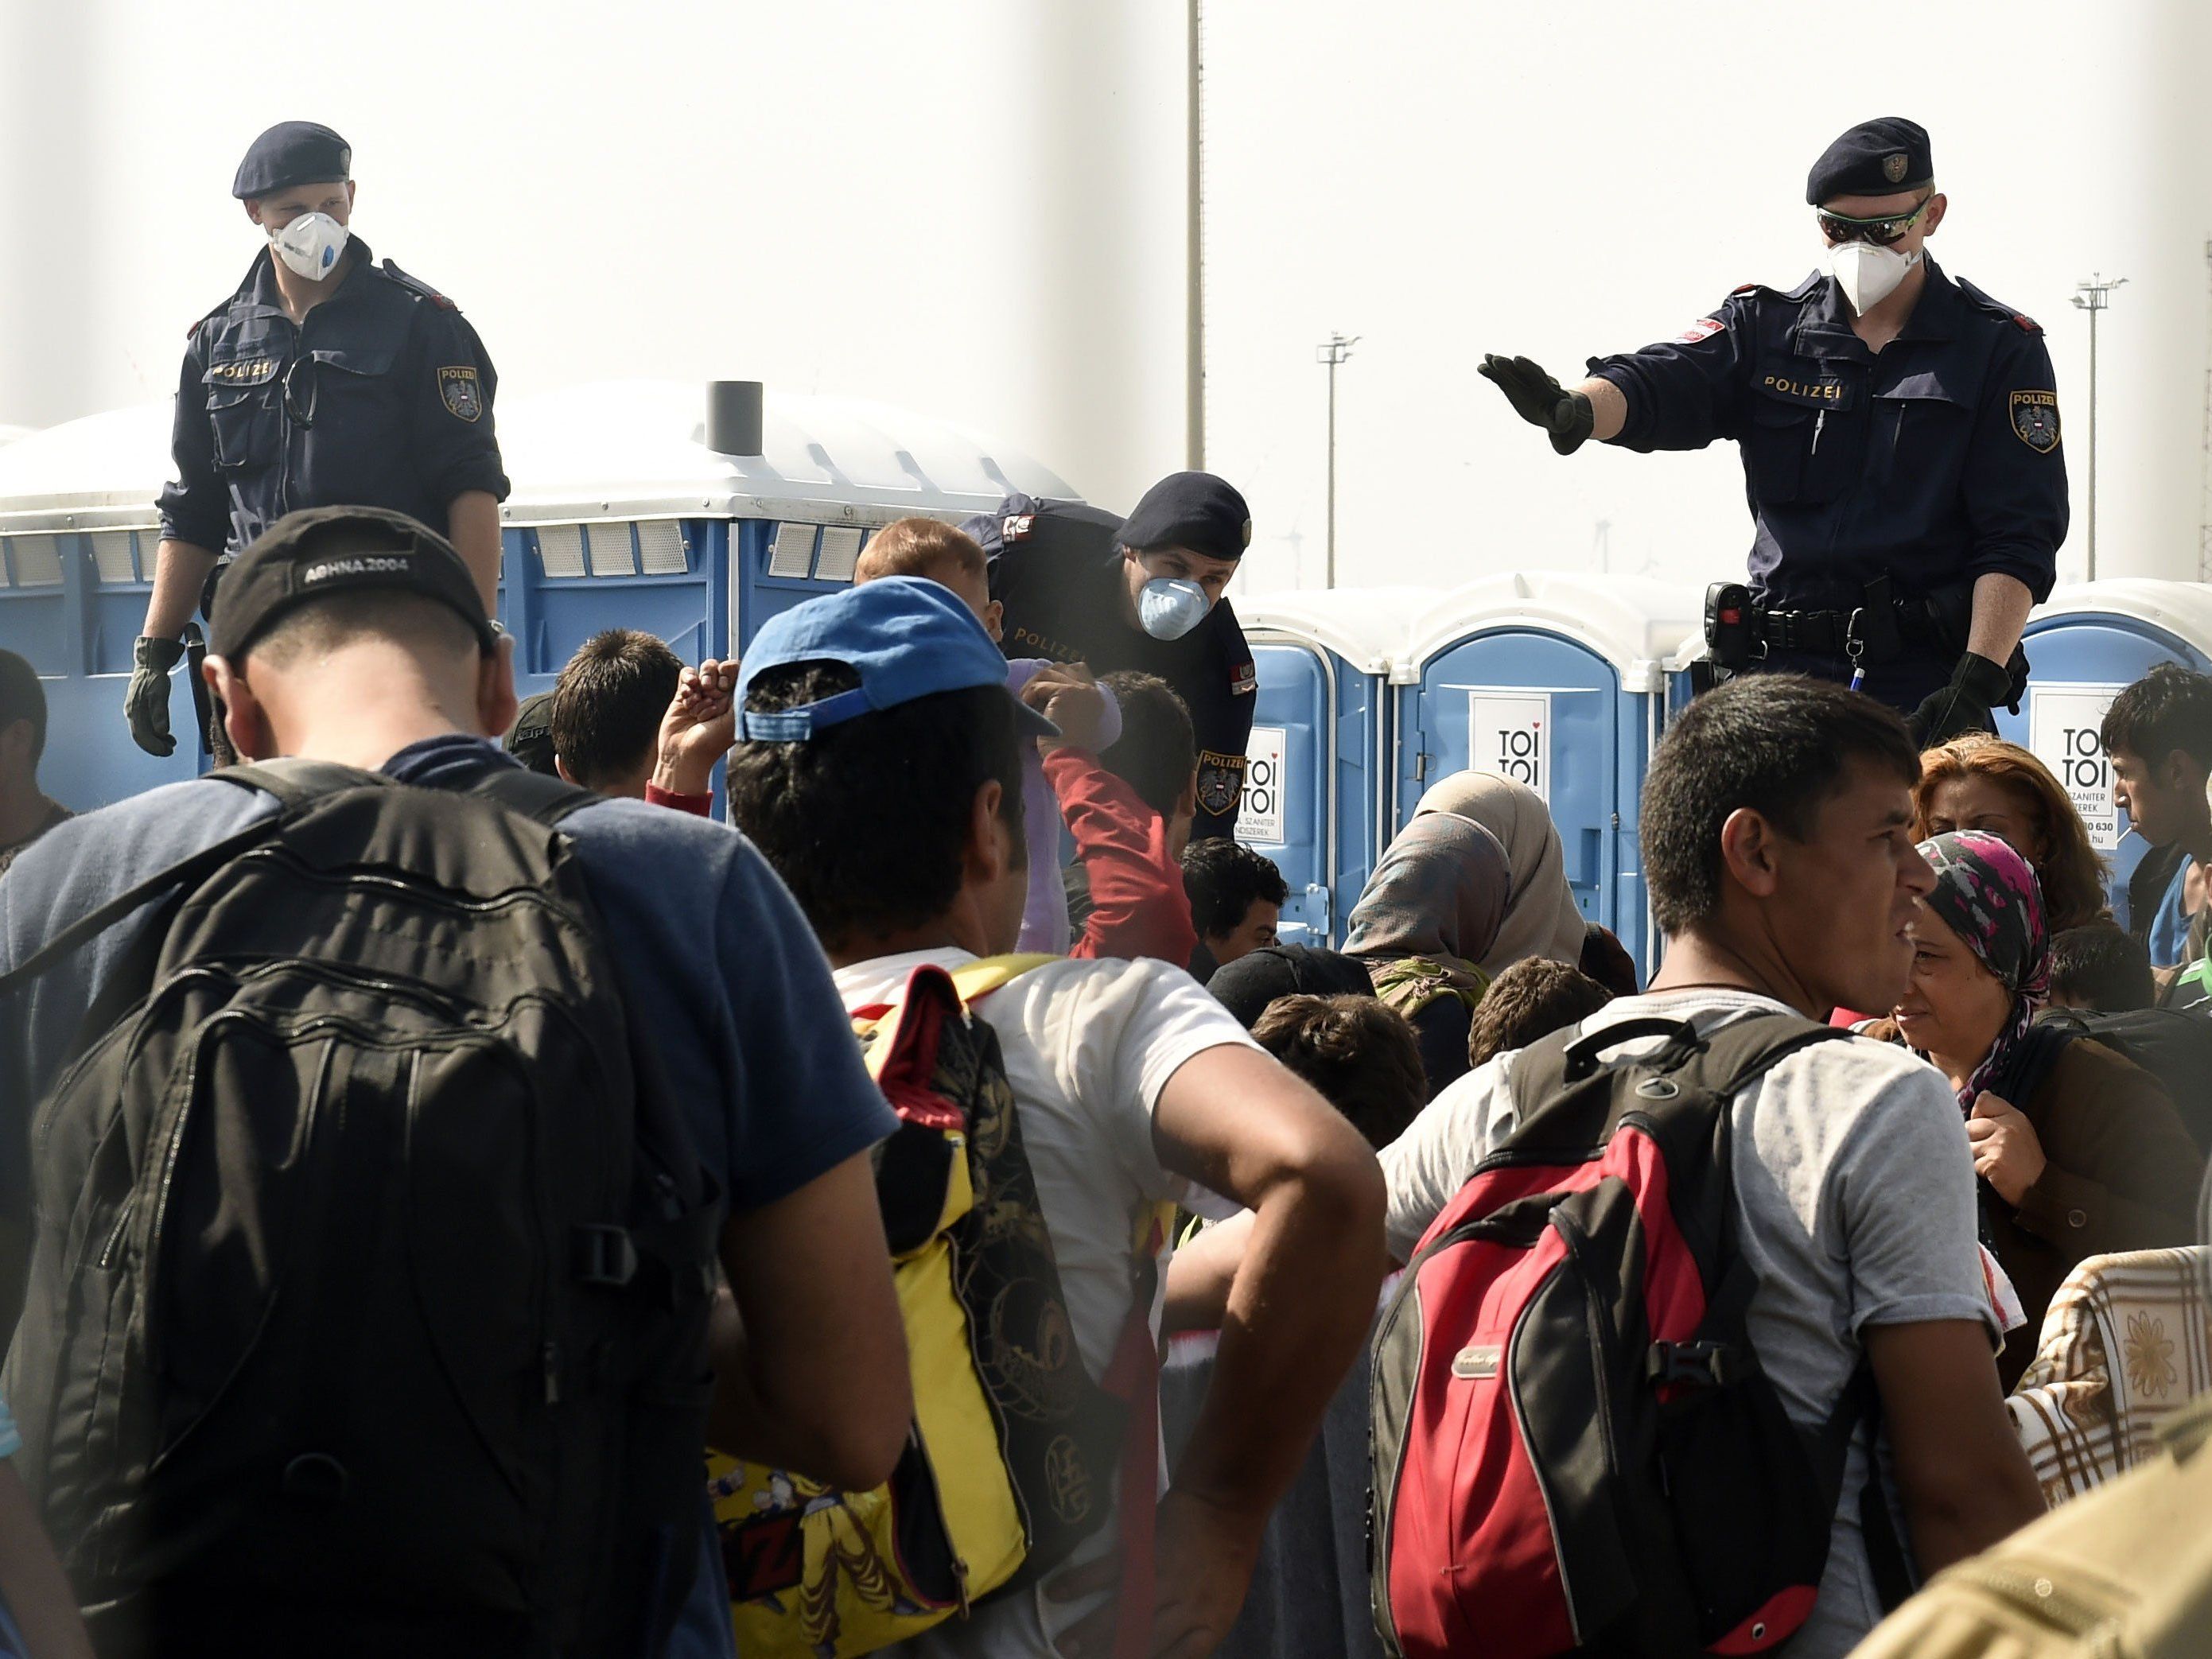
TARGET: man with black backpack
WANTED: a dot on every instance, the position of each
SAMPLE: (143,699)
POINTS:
(1673,1270)
(394,1109)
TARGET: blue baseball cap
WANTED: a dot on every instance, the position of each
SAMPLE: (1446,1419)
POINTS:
(905,637)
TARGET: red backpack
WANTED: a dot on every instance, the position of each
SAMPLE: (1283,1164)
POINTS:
(1574,1447)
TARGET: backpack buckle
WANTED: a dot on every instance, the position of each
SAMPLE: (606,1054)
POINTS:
(1701,1364)
(602,1256)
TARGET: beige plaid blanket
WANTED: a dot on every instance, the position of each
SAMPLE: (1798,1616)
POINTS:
(2127,1342)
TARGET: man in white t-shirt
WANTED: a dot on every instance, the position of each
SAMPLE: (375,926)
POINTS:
(880,770)
(1777,847)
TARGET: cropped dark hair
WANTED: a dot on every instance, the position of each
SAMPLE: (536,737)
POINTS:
(609,703)
(2101,966)
(867,821)
(22,698)
(1157,753)
(1359,1056)
(1531,999)
(1777,744)
(1224,878)
(2168,708)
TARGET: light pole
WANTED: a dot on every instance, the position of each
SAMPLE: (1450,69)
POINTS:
(1334,352)
(2094,296)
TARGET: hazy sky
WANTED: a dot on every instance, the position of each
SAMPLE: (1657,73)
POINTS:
(975,208)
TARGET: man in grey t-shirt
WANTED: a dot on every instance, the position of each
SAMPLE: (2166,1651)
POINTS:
(1777,827)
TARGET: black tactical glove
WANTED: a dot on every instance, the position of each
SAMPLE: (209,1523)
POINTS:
(1541,401)
(146,704)
(1977,685)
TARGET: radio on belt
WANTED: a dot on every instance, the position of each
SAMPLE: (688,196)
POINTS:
(1730,630)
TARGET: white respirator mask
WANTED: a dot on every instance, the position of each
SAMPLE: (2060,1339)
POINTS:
(1169,607)
(310,245)
(1867,274)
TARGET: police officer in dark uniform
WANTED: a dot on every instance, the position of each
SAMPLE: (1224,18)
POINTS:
(1899,435)
(1080,585)
(324,380)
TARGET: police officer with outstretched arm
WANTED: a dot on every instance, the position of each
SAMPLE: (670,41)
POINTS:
(325,379)
(1900,435)
(1080,585)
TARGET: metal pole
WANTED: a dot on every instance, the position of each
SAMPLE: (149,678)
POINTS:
(2094,296)
(1195,274)
(1332,351)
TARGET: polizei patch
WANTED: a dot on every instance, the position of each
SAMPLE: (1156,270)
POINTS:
(462,391)
(2035,418)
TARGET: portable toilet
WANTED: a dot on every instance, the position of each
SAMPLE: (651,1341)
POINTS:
(2084,644)
(1558,680)
(624,515)
(1319,764)
(77,535)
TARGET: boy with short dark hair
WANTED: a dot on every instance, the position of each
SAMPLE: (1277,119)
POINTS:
(2101,968)
(1236,899)
(1134,1088)
(1531,999)
(2158,737)
(1359,1056)
(607,709)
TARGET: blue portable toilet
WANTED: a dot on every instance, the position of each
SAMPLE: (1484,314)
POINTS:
(77,535)
(1558,680)
(1319,764)
(621,516)
(2086,642)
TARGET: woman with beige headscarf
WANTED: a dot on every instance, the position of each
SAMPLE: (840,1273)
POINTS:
(1542,919)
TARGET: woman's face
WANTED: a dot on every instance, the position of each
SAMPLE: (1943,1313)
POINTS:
(1954,1006)
(1973,801)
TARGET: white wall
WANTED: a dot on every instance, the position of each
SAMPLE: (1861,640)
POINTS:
(975,208)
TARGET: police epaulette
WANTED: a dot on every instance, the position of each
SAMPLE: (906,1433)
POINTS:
(204,321)
(418,287)
(2019,319)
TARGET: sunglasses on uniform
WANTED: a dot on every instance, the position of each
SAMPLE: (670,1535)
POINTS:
(1881,232)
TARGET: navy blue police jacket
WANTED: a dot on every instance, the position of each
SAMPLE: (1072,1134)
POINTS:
(1057,572)
(381,398)
(1934,462)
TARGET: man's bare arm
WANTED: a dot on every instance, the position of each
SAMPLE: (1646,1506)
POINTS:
(180,571)
(473,527)
(2001,606)
(1608,408)
(1965,1481)
(809,1351)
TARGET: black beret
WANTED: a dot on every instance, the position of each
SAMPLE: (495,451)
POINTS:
(1195,510)
(292,153)
(330,550)
(1874,158)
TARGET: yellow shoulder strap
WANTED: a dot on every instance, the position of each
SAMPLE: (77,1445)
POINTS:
(985,975)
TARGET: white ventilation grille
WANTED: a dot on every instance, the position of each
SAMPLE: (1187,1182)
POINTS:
(612,553)
(840,554)
(561,549)
(793,552)
(110,554)
(660,547)
(37,560)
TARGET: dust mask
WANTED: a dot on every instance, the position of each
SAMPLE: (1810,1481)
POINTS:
(1169,607)
(1867,274)
(310,245)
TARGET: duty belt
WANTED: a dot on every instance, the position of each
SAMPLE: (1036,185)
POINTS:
(1825,633)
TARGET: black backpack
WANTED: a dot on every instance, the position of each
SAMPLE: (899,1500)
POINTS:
(371,1262)
(2173,1046)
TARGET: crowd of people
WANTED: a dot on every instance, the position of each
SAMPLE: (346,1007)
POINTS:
(467,1199)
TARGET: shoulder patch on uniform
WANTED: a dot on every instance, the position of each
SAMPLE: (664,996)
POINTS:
(418,287)
(1243,678)
(2025,322)
(1748,288)
(1703,329)
(462,392)
(1016,527)
(1220,779)
(2035,420)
